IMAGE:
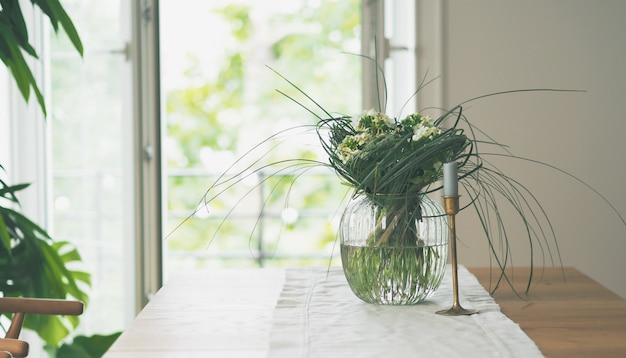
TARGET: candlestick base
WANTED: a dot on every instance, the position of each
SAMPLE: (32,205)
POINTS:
(457,310)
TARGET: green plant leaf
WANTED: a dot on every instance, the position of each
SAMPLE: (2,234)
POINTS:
(82,276)
(15,61)
(37,267)
(56,267)
(5,189)
(15,19)
(19,69)
(14,37)
(56,13)
(5,238)
(45,8)
(68,26)
(50,328)
(62,258)
(87,347)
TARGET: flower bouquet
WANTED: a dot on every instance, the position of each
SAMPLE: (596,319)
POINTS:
(393,237)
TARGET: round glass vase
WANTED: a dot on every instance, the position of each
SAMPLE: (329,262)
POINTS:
(393,251)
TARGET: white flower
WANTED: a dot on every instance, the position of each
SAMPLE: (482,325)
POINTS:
(388,121)
(423,131)
(346,153)
(351,144)
(373,120)
(362,138)
(427,121)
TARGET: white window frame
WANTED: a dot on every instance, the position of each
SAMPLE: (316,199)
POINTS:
(148,163)
(389,33)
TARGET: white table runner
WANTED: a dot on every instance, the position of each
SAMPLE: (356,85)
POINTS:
(317,315)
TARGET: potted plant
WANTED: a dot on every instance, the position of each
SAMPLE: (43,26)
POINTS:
(32,264)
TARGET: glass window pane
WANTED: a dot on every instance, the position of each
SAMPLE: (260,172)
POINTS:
(220,99)
(90,121)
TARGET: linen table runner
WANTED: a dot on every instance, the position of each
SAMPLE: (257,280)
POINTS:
(317,315)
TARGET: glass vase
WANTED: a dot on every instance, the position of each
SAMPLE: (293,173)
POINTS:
(393,250)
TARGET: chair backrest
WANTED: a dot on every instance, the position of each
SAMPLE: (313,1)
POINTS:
(13,348)
(22,306)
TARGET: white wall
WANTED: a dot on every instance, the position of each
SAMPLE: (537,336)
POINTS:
(488,46)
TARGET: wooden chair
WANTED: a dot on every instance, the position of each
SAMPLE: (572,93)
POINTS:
(11,345)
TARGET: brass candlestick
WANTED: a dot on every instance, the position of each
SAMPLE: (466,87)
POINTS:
(451,206)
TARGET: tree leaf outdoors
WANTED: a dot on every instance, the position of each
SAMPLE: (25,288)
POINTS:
(240,88)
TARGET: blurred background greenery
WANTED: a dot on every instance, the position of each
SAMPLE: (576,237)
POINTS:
(221,100)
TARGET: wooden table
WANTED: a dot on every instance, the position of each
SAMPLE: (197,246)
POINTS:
(577,317)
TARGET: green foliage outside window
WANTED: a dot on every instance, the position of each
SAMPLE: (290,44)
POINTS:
(213,121)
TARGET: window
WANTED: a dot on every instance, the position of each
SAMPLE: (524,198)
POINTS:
(220,99)
(91,189)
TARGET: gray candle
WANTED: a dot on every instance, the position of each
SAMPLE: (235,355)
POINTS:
(450,179)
